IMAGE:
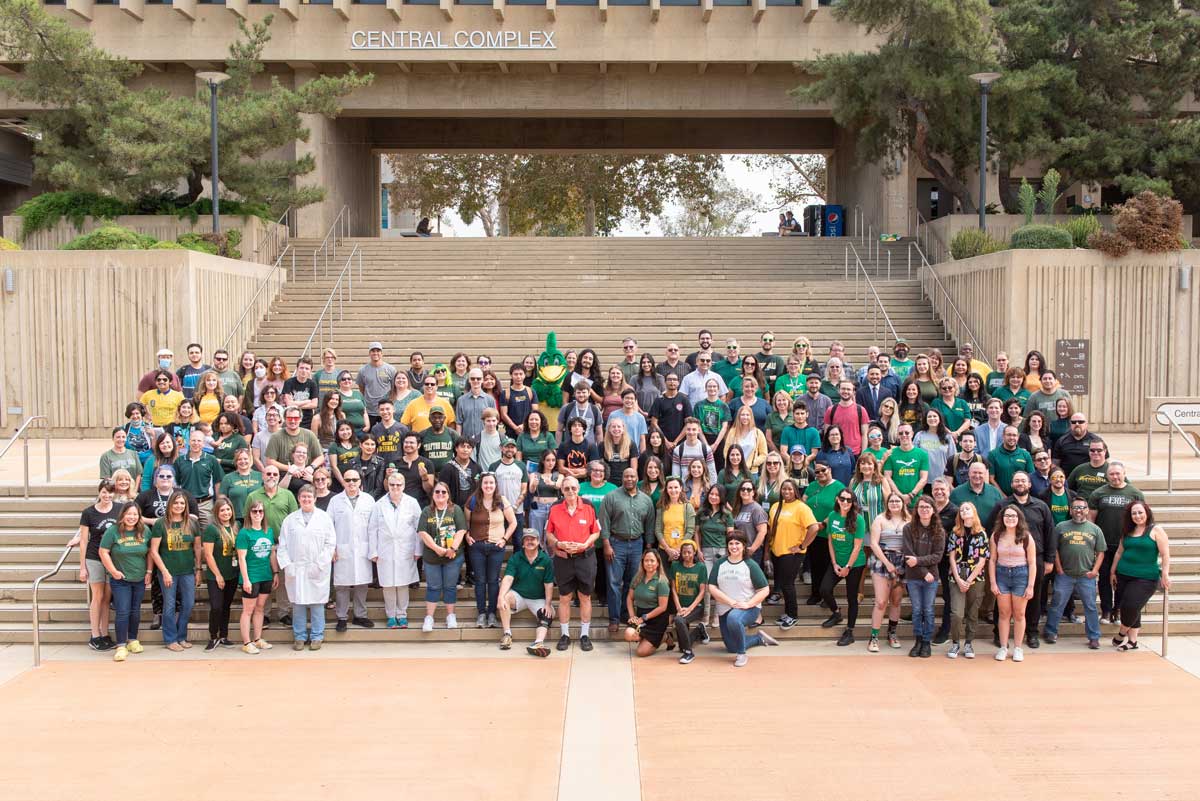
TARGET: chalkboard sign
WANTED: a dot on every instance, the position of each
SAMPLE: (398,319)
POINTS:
(1072,364)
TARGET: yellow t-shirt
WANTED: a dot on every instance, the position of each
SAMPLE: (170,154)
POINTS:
(209,408)
(673,531)
(162,406)
(792,527)
(416,414)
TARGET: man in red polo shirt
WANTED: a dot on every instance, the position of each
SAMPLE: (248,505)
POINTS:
(571,531)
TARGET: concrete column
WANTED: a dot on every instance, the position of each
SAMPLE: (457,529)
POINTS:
(884,192)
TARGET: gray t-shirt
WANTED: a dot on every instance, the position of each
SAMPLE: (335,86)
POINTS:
(738,580)
(375,383)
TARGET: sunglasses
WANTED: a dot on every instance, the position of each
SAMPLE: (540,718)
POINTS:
(431,384)
(440,492)
(1078,422)
(354,480)
(845,498)
(628,347)
(746,489)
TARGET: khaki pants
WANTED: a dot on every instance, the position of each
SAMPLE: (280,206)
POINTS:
(964,610)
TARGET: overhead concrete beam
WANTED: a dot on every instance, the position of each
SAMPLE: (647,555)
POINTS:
(185,7)
(81,8)
(134,8)
(239,8)
(291,8)
(396,7)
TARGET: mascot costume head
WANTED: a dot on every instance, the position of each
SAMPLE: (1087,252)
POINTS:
(548,384)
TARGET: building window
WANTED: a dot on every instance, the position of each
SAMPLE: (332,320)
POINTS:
(681,2)
(629,2)
(578,2)
(526,2)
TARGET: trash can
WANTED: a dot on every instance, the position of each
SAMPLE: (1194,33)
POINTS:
(812,219)
(834,222)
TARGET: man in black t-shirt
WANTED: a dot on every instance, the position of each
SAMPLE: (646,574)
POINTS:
(388,432)
(576,452)
(461,474)
(301,390)
(418,472)
(670,410)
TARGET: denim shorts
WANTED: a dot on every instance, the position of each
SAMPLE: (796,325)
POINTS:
(1012,580)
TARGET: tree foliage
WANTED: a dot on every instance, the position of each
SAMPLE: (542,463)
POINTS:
(792,179)
(518,194)
(729,212)
(97,134)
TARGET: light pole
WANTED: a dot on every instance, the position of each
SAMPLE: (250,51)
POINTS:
(214,79)
(985,81)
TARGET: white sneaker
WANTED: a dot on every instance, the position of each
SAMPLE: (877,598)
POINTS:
(427,626)
(1001,654)
(740,660)
(451,622)
(1018,654)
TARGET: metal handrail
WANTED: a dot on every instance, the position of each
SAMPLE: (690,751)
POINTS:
(879,307)
(262,285)
(339,229)
(23,432)
(275,240)
(37,584)
(340,290)
(930,236)
(1174,427)
(926,269)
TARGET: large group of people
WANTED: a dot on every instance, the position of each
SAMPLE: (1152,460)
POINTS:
(682,495)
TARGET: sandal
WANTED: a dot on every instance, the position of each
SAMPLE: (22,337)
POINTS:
(1118,640)
(1128,645)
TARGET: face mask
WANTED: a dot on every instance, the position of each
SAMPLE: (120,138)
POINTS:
(260,372)
(164,364)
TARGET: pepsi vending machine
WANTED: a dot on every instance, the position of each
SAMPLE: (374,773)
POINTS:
(833,222)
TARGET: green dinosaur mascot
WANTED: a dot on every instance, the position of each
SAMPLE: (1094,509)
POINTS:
(548,384)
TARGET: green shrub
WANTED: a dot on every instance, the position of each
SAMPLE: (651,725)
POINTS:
(1080,228)
(201,243)
(1049,193)
(8,244)
(111,237)
(233,208)
(1027,198)
(166,245)
(214,244)
(1041,237)
(973,242)
(44,211)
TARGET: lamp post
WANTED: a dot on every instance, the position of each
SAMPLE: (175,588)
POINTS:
(985,81)
(214,79)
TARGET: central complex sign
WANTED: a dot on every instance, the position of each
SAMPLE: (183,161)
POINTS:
(459,40)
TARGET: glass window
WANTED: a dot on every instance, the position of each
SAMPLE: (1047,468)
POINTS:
(629,2)
(681,2)
(578,2)
(526,2)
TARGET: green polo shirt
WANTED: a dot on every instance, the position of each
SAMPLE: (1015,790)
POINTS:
(843,541)
(277,508)
(1006,463)
(625,516)
(202,477)
(954,414)
(985,502)
(530,578)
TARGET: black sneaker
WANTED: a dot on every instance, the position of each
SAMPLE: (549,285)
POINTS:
(212,645)
(341,625)
(363,622)
(564,642)
(286,620)
(832,620)
(585,643)
(95,643)
(915,651)
(228,643)
(106,643)
(705,639)
(774,598)
(687,658)
(926,651)
(847,638)
(812,601)
(940,637)
(156,623)
(786,622)
(1031,639)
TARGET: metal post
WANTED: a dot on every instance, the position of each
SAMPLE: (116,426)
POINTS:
(1165,619)
(1149,437)
(216,199)
(984,89)
(846,266)
(1170,464)
(889,264)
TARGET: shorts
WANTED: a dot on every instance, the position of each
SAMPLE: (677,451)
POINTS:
(96,573)
(532,604)
(652,630)
(879,569)
(256,589)
(1012,580)
(575,574)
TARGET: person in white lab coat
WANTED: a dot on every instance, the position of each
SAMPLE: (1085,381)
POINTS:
(351,511)
(307,541)
(395,548)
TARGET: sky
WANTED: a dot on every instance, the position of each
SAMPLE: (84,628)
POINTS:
(737,172)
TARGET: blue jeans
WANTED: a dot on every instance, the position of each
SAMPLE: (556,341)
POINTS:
(441,581)
(733,630)
(127,598)
(627,556)
(538,515)
(306,615)
(486,561)
(1064,586)
(177,606)
(922,594)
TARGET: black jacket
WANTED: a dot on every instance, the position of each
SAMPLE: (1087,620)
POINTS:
(1041,525)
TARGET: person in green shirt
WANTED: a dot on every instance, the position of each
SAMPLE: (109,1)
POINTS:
(231,382)
(955,412)
(800,435)
(907,466)
(125,554)
(875,445)
(979,492)
(354,405)
(278,502)
(731,365)
(200,474)
(1081,549)
(846,528)
(647,601)
(219,542)
(996,378)
(779,418)
(793,382)
(175,548)
(772,366)
(437,443)
(528,584)
(1108,504)
(259,570)
(327,376)
(229,440)
(1058,497)
(1014,387)
(535,440)
(714,416)
(901,364)
(689,580)
(1006,460)
(820,496)
(237,485)
(597,485)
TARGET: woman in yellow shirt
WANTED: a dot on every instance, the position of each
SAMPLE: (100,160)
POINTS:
(209,399)
(791,529)
(676,519)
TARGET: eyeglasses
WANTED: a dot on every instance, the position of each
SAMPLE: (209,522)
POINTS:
(440,492)
(220,358)
(394,486)
(353,480)
(768,339)
(704,361)
(628,347)
(484,362)
(570,489)
(802,347)
(345,378)
(1095,450)
(472,378)
(257,512)
(1041,458)
(819,470)
(746,489)
(672,350)
(432,384)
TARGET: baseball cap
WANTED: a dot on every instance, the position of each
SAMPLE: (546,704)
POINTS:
(901,341)
(376,345)
(529,532)
(165,352)
(508,441)
(437,410)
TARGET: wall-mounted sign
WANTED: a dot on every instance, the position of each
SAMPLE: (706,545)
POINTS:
(459,40)
(1072,358)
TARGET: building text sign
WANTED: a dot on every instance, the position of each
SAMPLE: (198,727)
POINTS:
(459,40)
(1072,360)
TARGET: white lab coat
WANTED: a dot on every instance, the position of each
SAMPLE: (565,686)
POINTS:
(394,540)
(305,554)
(353,565)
